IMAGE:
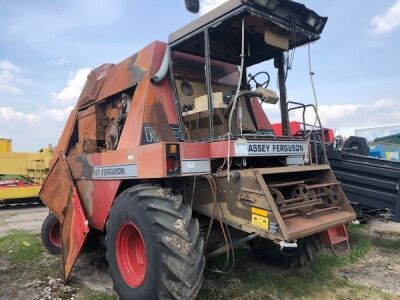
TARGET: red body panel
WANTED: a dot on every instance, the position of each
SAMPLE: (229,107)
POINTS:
(97,197)
(296,127)
(261,119)
(220,149)
(150,104)
(195,150)
(73,232)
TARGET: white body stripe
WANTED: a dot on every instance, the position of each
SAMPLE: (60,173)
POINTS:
(192,166)
(270,148)
(115,171)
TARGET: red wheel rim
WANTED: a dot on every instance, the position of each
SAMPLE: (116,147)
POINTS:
(54,235)
(131,255)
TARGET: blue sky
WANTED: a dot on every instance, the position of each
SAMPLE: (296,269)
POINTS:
(48,47)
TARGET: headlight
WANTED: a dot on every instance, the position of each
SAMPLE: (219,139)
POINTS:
(312,20)
(315,22)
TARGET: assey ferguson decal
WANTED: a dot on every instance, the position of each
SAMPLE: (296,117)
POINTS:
(246,148)
(115,171)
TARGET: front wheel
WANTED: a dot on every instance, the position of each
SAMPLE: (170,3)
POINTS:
(154,249)
(51,234)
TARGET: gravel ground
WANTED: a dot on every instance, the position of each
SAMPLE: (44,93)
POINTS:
(380,269)
(22,219)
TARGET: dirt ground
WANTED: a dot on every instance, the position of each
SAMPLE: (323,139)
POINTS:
(374,276)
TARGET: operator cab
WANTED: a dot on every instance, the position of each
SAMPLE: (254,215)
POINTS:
(216,95)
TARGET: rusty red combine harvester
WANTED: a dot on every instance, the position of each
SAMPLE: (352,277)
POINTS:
(174,139)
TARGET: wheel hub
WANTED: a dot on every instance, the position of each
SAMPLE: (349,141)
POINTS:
(131,255)
(54,235)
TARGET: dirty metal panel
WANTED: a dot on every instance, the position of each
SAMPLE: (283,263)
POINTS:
(159,116)
(63,142)
(94,82)
(61,197)
(293,169)
(147,161)
(193,166)
(121,76)
(97,197)
(305,199)
(83,166)
(161,132)
(109,79)
(57,189)
(151,160)
(300,226)
(195,150)
(74,230)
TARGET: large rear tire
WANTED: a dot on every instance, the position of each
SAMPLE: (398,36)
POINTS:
(51,234)
(154,247)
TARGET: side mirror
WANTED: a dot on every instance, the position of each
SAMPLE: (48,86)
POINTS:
(193,6)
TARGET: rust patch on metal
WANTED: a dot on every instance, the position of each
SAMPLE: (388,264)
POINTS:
(57,189)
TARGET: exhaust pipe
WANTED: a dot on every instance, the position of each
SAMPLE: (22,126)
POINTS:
(163,70)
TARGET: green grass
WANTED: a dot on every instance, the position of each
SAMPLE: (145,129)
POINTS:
(361,244)
(20,247)
(386,243)
(357,231)
(306,283)
(94,295)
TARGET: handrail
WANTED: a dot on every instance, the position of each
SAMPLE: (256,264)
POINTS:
(321,137)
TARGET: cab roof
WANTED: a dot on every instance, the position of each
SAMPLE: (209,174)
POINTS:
(281,17)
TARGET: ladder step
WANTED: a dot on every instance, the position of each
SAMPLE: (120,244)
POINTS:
(336,235)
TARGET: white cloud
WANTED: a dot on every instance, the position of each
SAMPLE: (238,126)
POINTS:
(207,5)
(379,112)
(387,22)
(8,66)
(32,131)
(58,115)
(70,93)
(8,114)
(10,79)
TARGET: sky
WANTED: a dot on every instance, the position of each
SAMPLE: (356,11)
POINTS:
(47,48)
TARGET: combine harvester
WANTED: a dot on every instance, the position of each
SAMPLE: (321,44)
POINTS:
(174,139)
(22,173)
